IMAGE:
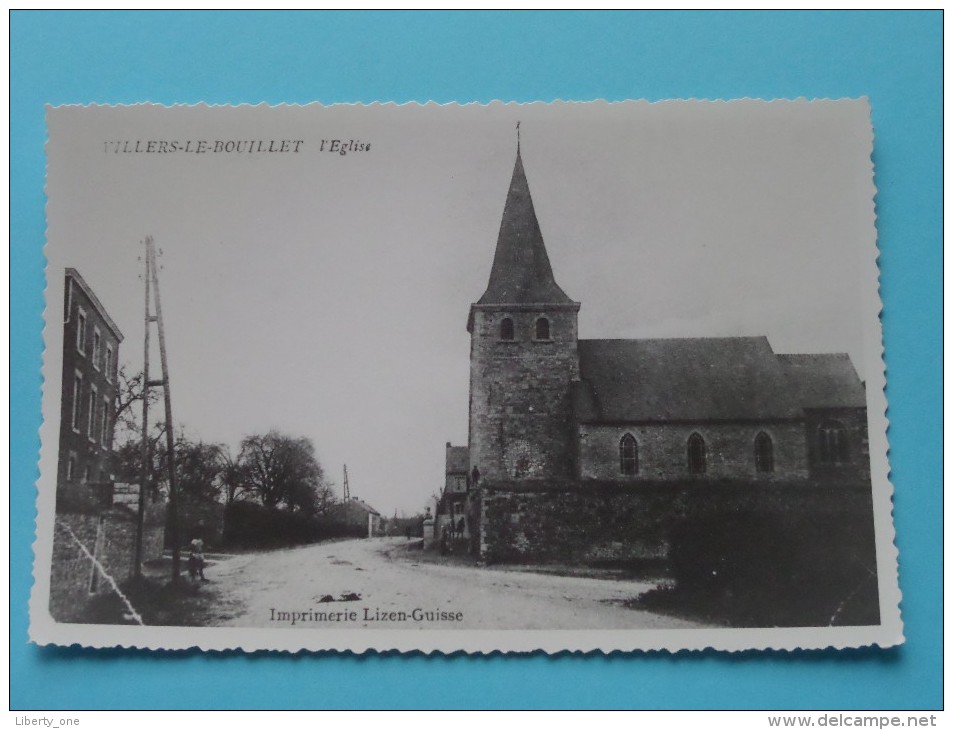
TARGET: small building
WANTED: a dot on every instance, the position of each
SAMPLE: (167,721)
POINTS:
(450,510)
(357,513)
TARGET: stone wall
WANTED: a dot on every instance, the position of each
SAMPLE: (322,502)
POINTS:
(109,535)
(71,575)
(520,411)
(606,524)
(153,531)
(110,538)
(663,451)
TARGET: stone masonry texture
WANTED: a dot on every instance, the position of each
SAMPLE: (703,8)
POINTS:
(520,411)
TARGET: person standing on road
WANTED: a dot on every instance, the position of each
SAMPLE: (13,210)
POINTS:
(197,560)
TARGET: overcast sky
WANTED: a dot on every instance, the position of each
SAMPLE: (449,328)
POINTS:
(327,295)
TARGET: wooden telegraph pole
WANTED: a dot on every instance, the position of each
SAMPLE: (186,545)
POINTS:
(146,457)
(152,288)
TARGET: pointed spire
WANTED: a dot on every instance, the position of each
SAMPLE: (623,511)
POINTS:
(521,271)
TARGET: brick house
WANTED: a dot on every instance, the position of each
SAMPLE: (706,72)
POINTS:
(96,518)
(90,386)
(552,414)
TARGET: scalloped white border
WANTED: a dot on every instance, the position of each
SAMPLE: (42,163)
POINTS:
(45,631)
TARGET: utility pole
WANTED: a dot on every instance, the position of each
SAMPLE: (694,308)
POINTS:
(347,489)
(152,287)
(146,457)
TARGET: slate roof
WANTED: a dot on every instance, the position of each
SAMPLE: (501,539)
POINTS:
(521,272)
(828,380)
(458,459)
(355,505)
(691,379)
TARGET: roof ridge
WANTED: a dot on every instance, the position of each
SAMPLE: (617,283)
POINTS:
(813,354)
(673,339)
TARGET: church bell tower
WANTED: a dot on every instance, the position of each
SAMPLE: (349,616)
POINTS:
(523,356)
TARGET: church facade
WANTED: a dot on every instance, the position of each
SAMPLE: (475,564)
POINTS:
(558,424)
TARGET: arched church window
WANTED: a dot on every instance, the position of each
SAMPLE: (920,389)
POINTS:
(696,454)
(629,455)
(832,446)
(506,329)
(763,453)
(542,329)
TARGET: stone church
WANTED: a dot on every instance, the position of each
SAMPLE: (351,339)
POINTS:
(558,424)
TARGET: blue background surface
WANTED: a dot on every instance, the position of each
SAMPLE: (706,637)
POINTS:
(123,57)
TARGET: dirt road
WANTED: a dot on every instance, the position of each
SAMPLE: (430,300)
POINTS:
(278,587)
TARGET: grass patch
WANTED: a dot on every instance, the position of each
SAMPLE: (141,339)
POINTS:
(160,603)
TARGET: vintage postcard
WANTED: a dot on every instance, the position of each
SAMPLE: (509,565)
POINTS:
(507,377)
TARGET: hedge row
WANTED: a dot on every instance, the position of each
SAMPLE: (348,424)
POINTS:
(770,568)
(249,525)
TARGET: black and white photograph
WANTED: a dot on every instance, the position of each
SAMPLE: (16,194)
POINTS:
(506,377)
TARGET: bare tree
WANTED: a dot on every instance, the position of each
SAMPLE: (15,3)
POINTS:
(234,485)
(277,469)
(199,470)
(127,415)
(324,498)
(128,458)
(284,470)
